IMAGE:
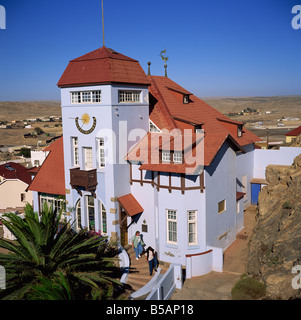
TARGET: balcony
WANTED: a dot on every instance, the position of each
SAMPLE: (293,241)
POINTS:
(83,180)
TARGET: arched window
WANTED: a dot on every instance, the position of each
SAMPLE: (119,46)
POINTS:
(90,212)
(103,218)
(78,216)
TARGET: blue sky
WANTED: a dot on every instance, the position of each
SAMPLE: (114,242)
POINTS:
(215,48)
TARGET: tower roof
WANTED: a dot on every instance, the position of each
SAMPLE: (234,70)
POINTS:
(102,66)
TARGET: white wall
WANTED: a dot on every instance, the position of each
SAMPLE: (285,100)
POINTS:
(114,122)
(155,203)
(283,156)
(10,194)
(220,184)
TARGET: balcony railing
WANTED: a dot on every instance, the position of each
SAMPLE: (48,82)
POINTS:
(83,180)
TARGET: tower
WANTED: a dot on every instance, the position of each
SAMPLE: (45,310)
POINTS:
(104,97)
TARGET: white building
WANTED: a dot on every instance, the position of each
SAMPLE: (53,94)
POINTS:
(118,180)
(14,181)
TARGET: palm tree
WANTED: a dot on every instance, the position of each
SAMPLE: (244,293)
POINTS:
(43,252)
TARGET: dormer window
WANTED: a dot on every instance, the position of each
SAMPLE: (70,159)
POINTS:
(185,98)
(177,157)
(166,156)
(198,129)
(239,130)
(153,127)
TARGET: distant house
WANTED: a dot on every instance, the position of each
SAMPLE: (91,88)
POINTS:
(48,185)
(14,180)
(290,136)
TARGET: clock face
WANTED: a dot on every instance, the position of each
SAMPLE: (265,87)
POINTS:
(83,124)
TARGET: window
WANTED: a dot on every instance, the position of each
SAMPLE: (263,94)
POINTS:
(172,226)
(192,227)
(23,197)
(177,157)
(103,218)
(129,96)
(90,212)
(186,98)
(101,152)
(75,97)
(153,127)
(78,215)
(221,206)
(198,129)
(75,156)
(57,202)
(88,158)
(86,96)
(165,156)
(239,130)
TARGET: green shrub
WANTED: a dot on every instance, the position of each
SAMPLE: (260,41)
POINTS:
(248,288)
(286,205)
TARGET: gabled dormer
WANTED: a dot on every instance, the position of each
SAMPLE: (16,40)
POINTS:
(234,127)
(181,94)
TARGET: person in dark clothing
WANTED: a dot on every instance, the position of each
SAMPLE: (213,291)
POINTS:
(151,257)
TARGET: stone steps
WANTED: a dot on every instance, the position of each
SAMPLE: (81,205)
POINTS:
(139,271)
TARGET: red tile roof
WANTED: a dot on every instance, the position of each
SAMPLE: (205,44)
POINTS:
(168,111)
(295,132)
(102,66)
(130,204)
(51,177)
(12,170)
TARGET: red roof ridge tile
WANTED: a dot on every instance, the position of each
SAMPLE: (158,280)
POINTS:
(294,132)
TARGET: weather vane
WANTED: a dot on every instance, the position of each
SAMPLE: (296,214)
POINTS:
(164,58)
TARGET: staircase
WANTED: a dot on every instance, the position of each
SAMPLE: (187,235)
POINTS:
(139,271)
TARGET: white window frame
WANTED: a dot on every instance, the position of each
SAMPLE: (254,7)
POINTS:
(153,127)
(78,213)
(192,222)
(225,208)
(177,157)
(239,131)
(75,151)
(101,153)
(87,205)
(52,199)
(88,158)
(83,97)
(129,96)
(171,226)
(103,217)
(166,156)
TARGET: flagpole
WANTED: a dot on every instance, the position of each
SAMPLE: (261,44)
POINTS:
(103,27)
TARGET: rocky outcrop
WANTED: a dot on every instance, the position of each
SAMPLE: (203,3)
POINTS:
(275,245)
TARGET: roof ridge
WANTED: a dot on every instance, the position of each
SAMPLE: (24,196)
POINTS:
(172,123)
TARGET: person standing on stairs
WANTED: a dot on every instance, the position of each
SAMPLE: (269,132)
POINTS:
(151,257)
(137,244)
